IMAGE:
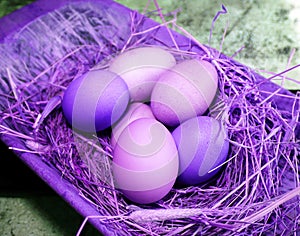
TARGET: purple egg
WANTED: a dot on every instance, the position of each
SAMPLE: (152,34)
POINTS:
(202,146)
(95,101)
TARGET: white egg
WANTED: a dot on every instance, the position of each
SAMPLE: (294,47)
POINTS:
(141,68)
(184,91)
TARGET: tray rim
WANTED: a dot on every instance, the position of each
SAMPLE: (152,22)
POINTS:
(17,19)
(9,25)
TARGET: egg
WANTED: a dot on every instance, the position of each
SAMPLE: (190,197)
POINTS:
(134,111)
(202,145)
(184,91)
(140,68)
(95,101)
(145,163)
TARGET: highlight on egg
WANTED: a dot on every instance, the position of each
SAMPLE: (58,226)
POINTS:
(184,91)
(141,68)
(145,161)
(202,146)
(136,110)
(95,101)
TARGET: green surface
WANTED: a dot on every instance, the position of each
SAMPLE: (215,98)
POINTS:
(39,215)
(266,30)
(7,6)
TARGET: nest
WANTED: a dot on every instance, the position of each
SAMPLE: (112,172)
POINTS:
(258,189)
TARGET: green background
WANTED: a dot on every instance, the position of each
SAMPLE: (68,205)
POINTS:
(268,32)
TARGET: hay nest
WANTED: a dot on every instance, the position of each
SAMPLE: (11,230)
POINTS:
(258,188)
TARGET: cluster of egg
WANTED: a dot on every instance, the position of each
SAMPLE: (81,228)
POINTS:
(155,108)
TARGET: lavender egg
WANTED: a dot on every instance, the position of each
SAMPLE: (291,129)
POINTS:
(202,146)
(95,101)
(145,163)
(136,110)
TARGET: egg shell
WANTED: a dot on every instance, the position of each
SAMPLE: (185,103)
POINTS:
(141,68)
(134,111)
(202,146)
(145,161)
(95,101)
(184,91)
